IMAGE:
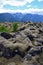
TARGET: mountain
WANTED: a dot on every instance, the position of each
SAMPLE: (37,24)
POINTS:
(18,16)
(33,17)
(6,17)
(9,17)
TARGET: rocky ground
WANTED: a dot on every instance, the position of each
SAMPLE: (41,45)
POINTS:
(24,47)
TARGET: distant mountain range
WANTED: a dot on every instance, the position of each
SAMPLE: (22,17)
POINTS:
(20,17)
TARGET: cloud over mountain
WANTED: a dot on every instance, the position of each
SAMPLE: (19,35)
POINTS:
(23,6)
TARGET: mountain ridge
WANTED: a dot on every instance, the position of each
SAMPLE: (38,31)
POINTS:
(20,17)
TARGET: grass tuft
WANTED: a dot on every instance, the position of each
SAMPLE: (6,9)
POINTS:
(15,26)
(4,29)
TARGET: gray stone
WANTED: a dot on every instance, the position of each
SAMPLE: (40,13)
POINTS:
(28,57)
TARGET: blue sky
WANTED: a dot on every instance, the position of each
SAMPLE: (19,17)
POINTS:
(23,6)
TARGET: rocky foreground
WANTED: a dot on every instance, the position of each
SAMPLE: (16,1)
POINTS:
(24,47)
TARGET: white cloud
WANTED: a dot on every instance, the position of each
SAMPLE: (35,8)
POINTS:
(40,0)
(29,1)
(28,6)
(30,10)
(19,3)
(15,2)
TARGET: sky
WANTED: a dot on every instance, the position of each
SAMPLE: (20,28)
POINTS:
(22,6)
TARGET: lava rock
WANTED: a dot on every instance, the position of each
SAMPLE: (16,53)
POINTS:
(39,50)
(30,36)
(14,52)
(21,28)
(37,43)
(1,54)
(7,53)
(1,63)
(34,51)
(29,47)
(14,41)
(6,35)
(17,51)
(40,31)
(40,41)
(36,63)
(1,47)
(22,54)
(28,57)
(11,63)
(31,28)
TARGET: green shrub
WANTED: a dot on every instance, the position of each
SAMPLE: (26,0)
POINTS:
(4,29)
(15,26)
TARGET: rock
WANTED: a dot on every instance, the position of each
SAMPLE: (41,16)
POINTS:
(7,53)
(28,48)
(36,63)
(1,50)
(22,28)
(31,63)
(36,43)
(28,57)
(1,54)
(35,51)
(27,41)
(11,63)
(40,40)
(15,51)
(13,34)
(1,47)
(32,52)
(24,47)
(31,37)
(32,28)
(41,30)
(22,54)
(6,43)
(35,35)
(18,52)
(13,40)
(20,37)
(1,63)
(6,35)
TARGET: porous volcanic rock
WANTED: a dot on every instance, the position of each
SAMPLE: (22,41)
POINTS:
(24,47)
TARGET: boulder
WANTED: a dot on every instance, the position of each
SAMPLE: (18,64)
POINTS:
(30,36)
(18,52)
(40,30)
(1,47)
(11,63)
(40,40)
(6,35)
(7,53)
(36,43)
(35,51)
(28,57)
